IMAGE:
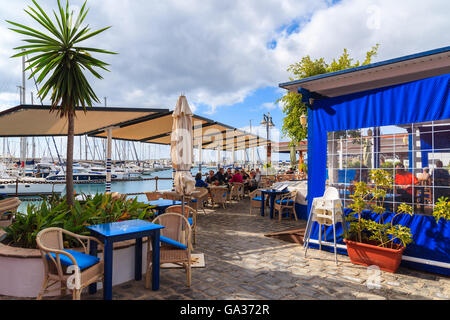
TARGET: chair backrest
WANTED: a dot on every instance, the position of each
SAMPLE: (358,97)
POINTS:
(188,211)
(202,194)
(331,193)
(176,227)
(171,195)
(50,238)
(219,195)
(153,195)
(10,204)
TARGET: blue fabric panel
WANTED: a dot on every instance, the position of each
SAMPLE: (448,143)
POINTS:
(431,240)
(301,211)
(416,101)
(257,198)
(172,242)
(83,260)
(190,221)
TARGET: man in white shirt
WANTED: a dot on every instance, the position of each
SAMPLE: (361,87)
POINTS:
(258,176)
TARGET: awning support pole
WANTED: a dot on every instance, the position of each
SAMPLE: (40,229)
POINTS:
(108,160)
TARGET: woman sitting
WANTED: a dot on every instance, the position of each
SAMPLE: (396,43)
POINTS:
(199,182)
(237,177)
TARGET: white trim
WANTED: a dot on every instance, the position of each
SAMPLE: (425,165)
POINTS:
(406,258)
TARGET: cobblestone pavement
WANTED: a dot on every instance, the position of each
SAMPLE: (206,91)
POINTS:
(243,264)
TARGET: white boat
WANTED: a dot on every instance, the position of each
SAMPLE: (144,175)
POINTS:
(79,174)
(28,186)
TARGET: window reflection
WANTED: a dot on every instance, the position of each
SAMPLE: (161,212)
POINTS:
(416,155)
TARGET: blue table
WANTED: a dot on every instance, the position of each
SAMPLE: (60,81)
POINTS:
(109,233)
(162,204)
(272,193)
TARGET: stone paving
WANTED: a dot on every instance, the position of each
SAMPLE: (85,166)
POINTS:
(241,263)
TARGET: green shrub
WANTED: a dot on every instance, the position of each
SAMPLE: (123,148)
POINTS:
(55,212)
(365,197)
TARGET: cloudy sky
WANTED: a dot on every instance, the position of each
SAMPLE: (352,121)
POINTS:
(228,57)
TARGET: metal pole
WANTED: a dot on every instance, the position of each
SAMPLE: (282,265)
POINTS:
(108,160)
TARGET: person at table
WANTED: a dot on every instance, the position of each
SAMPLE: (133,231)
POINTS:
(258,176)
(228,175)
(237,177)
(211,178)
(252,184)
(404,181)
(199,183)
(244,175)
(220,177)
(441,181)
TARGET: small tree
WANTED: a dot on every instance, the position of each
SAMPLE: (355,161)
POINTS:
(292,103)
(61,63)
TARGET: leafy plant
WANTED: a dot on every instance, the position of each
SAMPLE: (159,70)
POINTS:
(442,209)
(365,230)
(55,212)
(60,64)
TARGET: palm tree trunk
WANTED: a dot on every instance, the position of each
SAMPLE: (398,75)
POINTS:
(69,159)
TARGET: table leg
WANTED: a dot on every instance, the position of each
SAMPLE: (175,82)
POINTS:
(155,260)
(138,259)
(262,204)
(107,281)
(272,201)
(93,252)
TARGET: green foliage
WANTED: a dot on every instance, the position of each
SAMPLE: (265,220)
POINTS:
(57,58)
(303,167)
(372,198)
(442,209)
(55,212)
(292,103)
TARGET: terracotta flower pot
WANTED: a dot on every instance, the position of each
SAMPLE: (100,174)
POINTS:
(366,254)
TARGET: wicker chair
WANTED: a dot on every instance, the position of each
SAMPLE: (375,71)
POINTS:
(177,228)
(219,196)
(153,195)
(171,195)
(189,213)
(8,207)
(237,191)
(57,260)
(201,197)
(255,200)
(285,202)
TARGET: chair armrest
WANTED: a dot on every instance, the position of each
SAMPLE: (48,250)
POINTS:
(80,237)
(55,251)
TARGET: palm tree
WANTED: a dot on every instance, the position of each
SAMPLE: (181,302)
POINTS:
(59,64)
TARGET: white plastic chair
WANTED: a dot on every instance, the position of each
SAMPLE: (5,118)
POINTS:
(325,210)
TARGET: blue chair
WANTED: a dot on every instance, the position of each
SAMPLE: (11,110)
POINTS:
(60,263)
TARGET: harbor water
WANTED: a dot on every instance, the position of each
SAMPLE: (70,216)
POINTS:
(137,186)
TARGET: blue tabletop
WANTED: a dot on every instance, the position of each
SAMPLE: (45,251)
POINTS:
(123,227)
(163,202)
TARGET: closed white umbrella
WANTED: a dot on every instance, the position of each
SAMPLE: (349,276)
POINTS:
(181,149)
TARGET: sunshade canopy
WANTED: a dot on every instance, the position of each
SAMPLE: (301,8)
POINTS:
(133,124)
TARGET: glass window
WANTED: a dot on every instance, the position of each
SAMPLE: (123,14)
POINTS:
(416,155)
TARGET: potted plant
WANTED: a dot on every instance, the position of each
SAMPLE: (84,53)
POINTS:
(442,209)
(379,243)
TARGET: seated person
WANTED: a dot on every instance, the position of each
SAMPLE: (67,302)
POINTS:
(424,177)
(237,177)
(252,184)
(199,182)
(441,181)
(211,178)
(244,175)
(407,179)
(228,174)
(220,177)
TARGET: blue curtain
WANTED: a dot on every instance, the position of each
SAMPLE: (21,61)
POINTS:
(417,101)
